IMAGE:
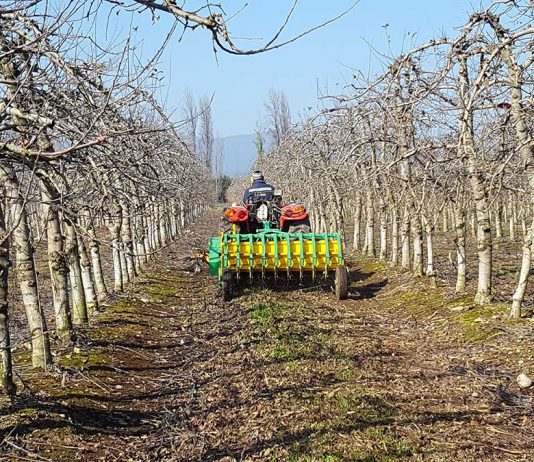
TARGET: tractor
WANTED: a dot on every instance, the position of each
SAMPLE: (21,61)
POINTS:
(266,239)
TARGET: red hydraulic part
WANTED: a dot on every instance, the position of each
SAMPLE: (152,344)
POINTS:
(292,212)
(236,214)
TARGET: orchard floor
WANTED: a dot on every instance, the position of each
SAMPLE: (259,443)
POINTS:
(169,372)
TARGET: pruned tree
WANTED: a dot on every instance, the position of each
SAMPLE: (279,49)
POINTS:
(84,146)
(439,140)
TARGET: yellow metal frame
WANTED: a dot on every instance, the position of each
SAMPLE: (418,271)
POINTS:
(276,256)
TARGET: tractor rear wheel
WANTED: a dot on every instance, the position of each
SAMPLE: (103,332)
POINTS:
(300,226)
(341,282)
(227,227)
(227,282)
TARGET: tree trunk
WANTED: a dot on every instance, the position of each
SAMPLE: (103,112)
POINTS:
(127,241)
(146,241)
(370,229)
(405,241)
(338,211)
(526,264)
(182,215)
(79,305)
(117,267)
(383,230)
(118,270)
(511,218)
(96,260)
(57,263)
(6,364)
(478,190)
(484,242)
(395,236)
(357,221)
(430,270)
(158,244)
(498,220)
(124,268)
(460,239)
(418,258)
(445,217)
(26,274)
(521,119)
(87,277)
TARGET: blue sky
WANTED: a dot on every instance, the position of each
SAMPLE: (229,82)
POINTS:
(322,60)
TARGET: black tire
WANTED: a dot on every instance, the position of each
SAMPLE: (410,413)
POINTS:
(227,282)
(300,226)
(341,283)
(227,227)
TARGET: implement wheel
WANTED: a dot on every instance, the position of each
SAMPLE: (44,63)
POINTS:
(341,283)
(227,282)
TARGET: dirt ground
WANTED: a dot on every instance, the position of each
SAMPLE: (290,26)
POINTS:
(169,372)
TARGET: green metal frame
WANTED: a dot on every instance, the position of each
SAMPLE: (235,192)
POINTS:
(218,260)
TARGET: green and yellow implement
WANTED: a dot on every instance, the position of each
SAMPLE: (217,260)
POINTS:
(277,253)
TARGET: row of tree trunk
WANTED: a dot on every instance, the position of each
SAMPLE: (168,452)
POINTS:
(74,247)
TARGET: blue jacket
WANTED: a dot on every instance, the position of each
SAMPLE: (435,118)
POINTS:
(259,190)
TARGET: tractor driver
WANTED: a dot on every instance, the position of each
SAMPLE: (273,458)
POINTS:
(258,189)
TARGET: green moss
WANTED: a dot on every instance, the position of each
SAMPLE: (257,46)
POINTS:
(28,411)
(371,266)
(23,357)
(478,314)
(24,416)
(461,300)
(345,403)
(164,290)
(477,325)
(123,307)
(85,359)
(470,323)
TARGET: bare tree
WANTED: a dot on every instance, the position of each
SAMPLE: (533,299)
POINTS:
(206,135)
(278,115)
(190,113)
(218,160)
(88,152)
(430,141)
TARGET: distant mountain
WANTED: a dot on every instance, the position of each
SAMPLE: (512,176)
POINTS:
(239,153)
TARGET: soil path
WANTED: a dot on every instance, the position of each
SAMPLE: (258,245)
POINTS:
(171,373)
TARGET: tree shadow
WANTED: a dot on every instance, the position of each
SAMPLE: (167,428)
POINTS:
(368,291)
(139,345)
(356,274)
(380,414)
(301,442)
(126,369)
(118,322)
(157,393)
(82,419)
